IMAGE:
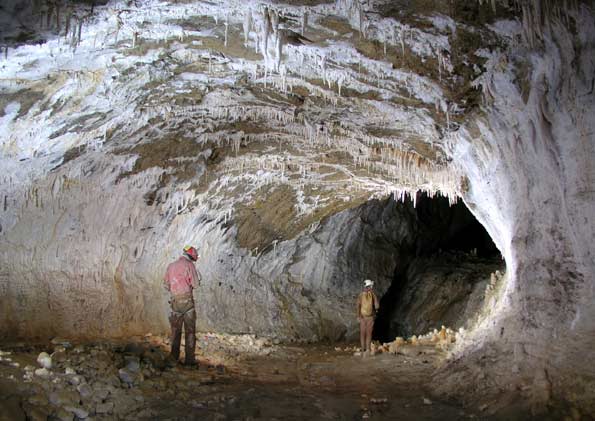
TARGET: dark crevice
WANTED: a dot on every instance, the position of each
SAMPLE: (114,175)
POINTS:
(449,246)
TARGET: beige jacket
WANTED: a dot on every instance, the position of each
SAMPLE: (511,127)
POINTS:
(359,303)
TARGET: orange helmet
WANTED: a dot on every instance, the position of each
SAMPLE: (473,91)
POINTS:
(191,253)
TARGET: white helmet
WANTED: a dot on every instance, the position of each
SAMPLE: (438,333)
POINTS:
(368,283)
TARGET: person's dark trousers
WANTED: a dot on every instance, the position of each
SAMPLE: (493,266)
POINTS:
(183,315)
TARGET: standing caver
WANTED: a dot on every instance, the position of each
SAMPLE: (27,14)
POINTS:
(367,307)
(180,279)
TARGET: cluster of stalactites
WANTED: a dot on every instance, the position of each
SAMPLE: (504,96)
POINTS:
(538,15)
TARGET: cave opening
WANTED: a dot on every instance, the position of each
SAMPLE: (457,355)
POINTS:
(443,259)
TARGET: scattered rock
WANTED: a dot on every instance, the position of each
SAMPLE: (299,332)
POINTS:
(104,408)
(84,390)
(43,373)
(78,411)
(132,364)
(61,341)
(63,415)
(64,397)
(45,360)
(100,392)
(38,400)
(427,401)
(124,403)
(126,376)
(76,380)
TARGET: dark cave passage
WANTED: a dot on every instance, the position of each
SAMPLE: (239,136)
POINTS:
(441,268)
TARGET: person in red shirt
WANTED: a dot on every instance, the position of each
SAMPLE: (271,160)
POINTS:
(180,279)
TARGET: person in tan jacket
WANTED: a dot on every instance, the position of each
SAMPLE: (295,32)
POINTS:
(367,307)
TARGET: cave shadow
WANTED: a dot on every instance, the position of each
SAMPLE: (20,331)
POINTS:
(440,227)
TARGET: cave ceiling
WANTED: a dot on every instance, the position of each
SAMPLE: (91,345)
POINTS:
(293,111)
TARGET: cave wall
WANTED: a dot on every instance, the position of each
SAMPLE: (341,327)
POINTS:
(530,171)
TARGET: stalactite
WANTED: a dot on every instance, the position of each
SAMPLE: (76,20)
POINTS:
(278,50)
(304,21)
(226,24)
(247,27)
(266,30)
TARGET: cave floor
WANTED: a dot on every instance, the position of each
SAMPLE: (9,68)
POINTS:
(131,381)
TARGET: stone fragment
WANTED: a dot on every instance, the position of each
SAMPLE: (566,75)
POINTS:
(61,341)
(124,403)
(69,371)
(76,380)
(427,401)
(43,373)
(100,392)
(44,360)
(64,397)
(126,376)
(63,415)
(38,400)
(393,347)
(84,390)
(132,364)
(78,411)
(104,408)
(59,355)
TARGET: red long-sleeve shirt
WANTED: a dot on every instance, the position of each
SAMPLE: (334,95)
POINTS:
(181,277)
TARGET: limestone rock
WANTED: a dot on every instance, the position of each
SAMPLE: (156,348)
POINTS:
(43,373)
(127,376)
(132,364)
(44,360)
(61,341)
(85,390)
